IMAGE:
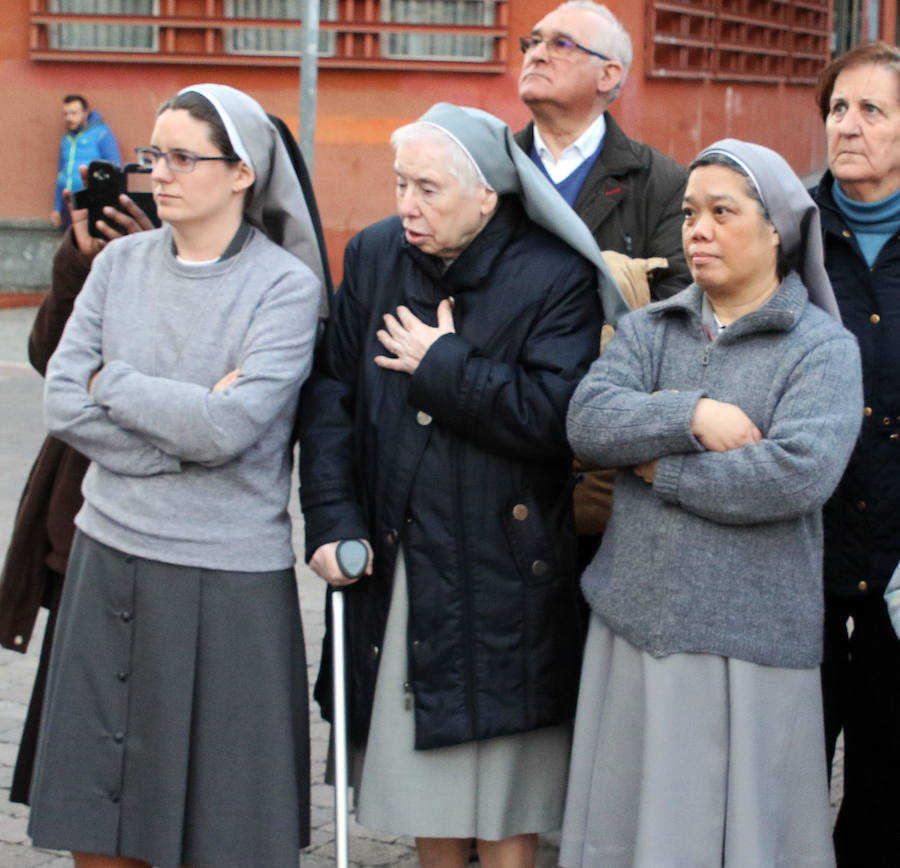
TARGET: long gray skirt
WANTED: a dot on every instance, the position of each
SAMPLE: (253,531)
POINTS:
(491,789)
(175,728)
(695,760)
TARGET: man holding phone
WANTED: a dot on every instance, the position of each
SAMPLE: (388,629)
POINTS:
(86,138)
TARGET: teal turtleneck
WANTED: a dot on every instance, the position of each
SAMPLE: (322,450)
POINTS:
(871,222)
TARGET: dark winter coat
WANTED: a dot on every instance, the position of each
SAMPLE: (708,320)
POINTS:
(44,525)
(862,519)
(465,464)
(631,201)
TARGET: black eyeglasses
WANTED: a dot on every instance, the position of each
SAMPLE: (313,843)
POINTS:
(178,159)
(557,46)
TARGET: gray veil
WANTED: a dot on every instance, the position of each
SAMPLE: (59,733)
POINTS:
(278,207)
(508,169)
(792,211)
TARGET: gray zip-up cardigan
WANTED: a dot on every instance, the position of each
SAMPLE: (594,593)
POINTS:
(723,553)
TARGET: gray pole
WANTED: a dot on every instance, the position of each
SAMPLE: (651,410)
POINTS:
(874,19)
(309,74)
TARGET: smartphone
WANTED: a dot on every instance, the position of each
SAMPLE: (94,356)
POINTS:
(105,182)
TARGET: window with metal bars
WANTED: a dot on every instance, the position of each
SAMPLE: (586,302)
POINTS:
(275,41)
(447,35)
(438,46)
(102,36)
(739,40)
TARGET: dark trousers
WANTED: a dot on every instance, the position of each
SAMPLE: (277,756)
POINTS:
(861,693)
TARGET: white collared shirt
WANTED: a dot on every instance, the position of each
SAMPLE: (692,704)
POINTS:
(575,154)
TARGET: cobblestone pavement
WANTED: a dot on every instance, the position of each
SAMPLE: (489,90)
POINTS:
(21,432)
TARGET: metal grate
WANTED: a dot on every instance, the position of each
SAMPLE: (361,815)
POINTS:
(446,35)
(739,40)
(77,36)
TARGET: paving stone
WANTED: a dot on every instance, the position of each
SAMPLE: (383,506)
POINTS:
(8,752)
(13,856)
(322,796)
(13,829)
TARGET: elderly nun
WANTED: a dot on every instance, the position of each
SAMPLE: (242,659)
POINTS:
(433,428)
(175,730)
(730,411)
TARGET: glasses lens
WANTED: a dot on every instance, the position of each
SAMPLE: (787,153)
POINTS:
(146,157)
(181,161)
(560,45)
(526,43)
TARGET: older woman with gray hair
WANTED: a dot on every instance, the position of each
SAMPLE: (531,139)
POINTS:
(859,200)
(730,411)
(433,427)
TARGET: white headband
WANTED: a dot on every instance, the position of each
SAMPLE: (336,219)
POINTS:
(230,128)
(746,169)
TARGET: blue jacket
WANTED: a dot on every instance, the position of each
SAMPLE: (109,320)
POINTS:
(94,142)
(723,553)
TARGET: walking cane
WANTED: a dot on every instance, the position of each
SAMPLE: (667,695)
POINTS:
(352,557)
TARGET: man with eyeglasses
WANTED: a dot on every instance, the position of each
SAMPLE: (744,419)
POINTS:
(575,62)
(629,195)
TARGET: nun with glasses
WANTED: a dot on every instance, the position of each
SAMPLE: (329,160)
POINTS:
(730,411)
(433,428)
(175,730)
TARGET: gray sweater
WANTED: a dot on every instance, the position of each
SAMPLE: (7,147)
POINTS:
(180,473)
(723,553)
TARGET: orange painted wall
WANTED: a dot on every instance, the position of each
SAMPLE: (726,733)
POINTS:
(358,110)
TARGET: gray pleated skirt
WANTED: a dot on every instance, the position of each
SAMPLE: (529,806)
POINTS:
(491,789)
(695,760)
(175,728)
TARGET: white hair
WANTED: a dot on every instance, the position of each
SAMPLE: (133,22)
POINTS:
(612,40)
(460,163)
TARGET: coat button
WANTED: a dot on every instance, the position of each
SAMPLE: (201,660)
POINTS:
(894,437)
(375,650)
(874,319)
(886,420)
(19,640)
(846,234)
(861,505)
(122,675)
(423,418)
(867,411)
(126,616)
(539,568)
(520,512)
(119,737)
(863,585)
